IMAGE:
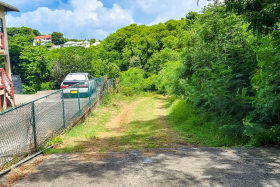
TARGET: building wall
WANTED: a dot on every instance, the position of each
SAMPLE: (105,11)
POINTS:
(2,15)
(8,67)
(43,41)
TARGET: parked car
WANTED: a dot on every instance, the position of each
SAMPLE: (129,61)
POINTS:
(71,88)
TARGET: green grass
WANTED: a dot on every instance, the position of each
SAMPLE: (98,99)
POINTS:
(140,136)
(67,149)
(71,140)
(199,128)
(142,131)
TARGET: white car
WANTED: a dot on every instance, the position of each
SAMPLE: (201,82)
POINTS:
(71,88)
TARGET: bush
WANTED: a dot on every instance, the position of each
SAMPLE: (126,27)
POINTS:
(200,127)
(128,91)
(47,86)
(28,89)
(132,81)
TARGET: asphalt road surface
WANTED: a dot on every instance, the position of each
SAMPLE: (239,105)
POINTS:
(161,167)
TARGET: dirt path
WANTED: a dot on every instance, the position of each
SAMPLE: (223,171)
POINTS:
(109,140)
(141,124)
(116,125)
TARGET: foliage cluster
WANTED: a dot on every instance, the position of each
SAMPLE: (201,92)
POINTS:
(230,71)
(212,59)
(200,128)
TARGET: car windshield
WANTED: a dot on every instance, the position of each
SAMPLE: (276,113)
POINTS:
(75,77)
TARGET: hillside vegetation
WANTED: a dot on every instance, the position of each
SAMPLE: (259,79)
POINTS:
(210,61)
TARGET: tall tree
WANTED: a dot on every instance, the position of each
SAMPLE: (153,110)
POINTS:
(92,40)
(57,38)
(262,15)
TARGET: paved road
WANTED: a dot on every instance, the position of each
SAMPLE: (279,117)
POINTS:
(23,98)
(162,167)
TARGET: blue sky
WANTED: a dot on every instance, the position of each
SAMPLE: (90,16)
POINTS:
(95,18)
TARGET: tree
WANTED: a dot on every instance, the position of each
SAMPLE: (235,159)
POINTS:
(92,41)
(18,39)
(57,38)
(113,71)
(36,66)
(132,81)
(22,30)
(263,15)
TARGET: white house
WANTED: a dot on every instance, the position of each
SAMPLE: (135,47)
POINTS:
(70,44)
(42,40)
(85,44)
(97,42)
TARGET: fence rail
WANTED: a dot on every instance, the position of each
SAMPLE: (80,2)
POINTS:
(28,126)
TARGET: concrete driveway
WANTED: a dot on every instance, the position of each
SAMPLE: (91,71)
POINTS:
(24,98)
(161,167)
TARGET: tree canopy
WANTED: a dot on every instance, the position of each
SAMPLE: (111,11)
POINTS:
(263,15)
(57,38)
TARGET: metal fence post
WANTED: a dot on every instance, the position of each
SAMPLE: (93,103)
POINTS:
(34,125)
(79,99)
(89,94)
(63,109)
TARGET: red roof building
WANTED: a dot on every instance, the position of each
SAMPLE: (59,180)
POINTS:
(42,40)
(43,37)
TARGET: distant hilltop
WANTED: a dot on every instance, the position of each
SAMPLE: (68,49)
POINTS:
(46,39)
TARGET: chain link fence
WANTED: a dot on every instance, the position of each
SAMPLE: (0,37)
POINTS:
(27,127)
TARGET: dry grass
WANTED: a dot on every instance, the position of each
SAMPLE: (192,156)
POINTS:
(19,173)
(148,153)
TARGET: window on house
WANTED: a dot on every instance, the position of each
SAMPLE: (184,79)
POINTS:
(1,26)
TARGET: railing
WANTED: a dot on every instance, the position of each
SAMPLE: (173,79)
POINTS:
(27,127)
(7,84)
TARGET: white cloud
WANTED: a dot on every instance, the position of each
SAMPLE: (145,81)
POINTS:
(93,19)
(89,17)
(163,10)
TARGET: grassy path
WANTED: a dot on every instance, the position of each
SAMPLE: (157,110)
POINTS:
(148,127)
(125,124)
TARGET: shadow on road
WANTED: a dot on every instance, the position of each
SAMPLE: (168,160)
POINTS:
(165,167)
